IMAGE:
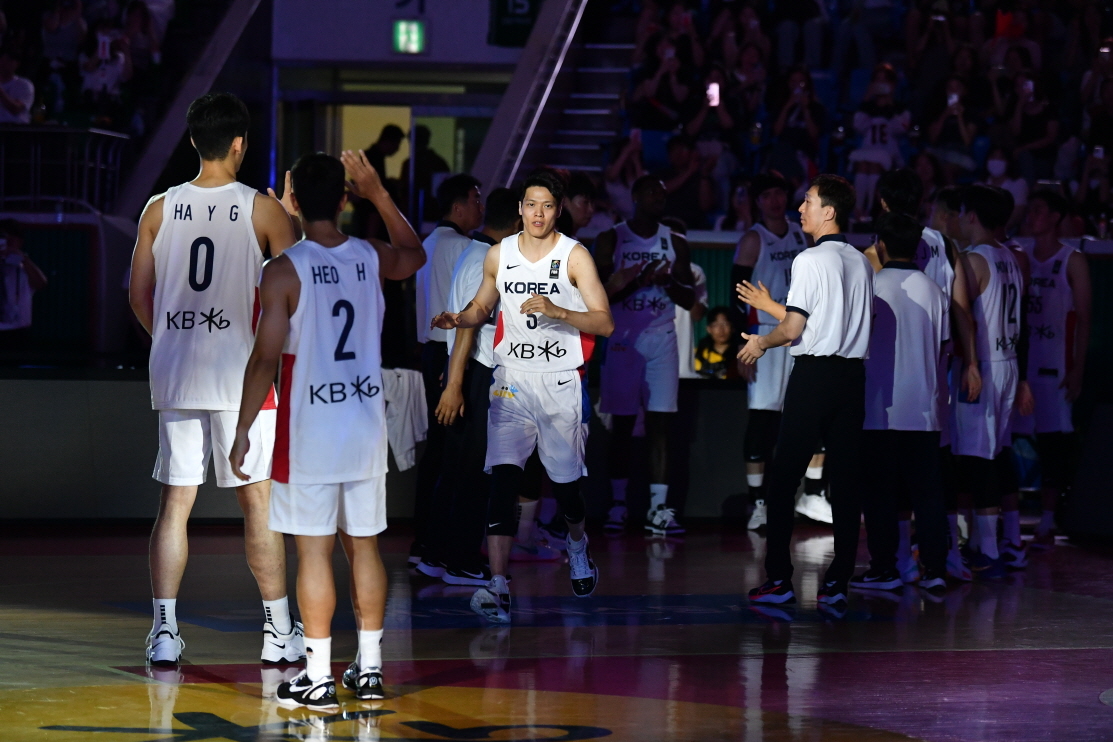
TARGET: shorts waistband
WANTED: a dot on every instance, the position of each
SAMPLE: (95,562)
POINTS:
(829,359)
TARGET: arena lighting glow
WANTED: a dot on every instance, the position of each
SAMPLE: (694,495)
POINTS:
(409,37)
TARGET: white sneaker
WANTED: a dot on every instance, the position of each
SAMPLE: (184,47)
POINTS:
(585,575)
(957,568)
(909,570)
(616,519)
(815,507)
(493,601)
(759,517)
(279,649)
(661,521)
(164,646)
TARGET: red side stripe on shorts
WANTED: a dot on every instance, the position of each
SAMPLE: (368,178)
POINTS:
(270,403)
(587,345)
(280,469)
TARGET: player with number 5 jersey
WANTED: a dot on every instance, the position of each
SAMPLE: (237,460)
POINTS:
(552,306)
(197,259)
(322,318)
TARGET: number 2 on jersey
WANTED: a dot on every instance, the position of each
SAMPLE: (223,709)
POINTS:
(349,317)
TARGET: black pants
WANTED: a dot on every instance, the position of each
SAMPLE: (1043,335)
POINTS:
(904,462)
(825,400)
(463,487)
(434,358)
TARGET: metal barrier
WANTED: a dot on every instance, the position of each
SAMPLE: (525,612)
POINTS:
(44,168)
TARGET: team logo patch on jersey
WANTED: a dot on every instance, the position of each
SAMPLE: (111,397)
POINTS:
(554,269)
(506,392)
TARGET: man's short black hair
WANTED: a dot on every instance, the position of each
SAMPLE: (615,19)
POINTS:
(544,179)
(580,184)
(992,206)
(763,182)
(1055,202)
(901,190)
(502,209)
(392,133)
(950,197)
(836,191)
(455,189)
(318,181)
(215,120)
(644,182)
(901,234)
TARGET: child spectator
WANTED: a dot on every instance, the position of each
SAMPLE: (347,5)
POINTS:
(716,354)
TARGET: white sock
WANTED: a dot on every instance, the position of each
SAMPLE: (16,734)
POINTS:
(278,613)
(755,480)
(952,521)
(548,509)
(658,493)
(370,650)
(814,472)
(618,490)
(577,546)
(164,613)
(904,545)
(1012,526)
(987,535)
(527,512)
(318,658)
(1047,523)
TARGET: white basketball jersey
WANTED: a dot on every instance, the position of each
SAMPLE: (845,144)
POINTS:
(649,306)
(331,416)
(207,264)
(774,266)
(997,310)
(1050,317)
(931,258)
(534,342)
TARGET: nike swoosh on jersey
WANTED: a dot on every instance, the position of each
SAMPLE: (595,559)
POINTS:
(512,267)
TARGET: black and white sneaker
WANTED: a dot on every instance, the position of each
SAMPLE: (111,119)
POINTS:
(431,567)
(301,691)
(933,581)
(366,684)
(493,601)
(585,575)
(281,649)
(475,574)
(778,592)
(874,579)
(661,521)
(833,593)
(416,550)
(164,647)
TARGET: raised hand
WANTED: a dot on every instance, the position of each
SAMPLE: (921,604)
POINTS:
(752,350)
(365,181)
(286,200)
(757,297)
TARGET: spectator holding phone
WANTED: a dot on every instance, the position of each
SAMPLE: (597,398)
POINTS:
(1098,123)
(953,129)
(662,87)
(799,123)
(1034,126)
(1091,193)
(19,280)
(17,94)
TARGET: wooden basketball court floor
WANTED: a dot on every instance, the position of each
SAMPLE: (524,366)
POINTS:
(667,649)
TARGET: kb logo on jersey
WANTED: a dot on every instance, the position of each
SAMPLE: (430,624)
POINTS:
(337,392)
(554,269)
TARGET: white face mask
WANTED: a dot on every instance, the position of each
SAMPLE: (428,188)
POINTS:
(996,168)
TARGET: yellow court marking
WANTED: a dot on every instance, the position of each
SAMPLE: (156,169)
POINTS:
(199,712)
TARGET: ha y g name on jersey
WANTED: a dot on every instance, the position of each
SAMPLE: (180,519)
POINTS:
(332,419)
(534,342)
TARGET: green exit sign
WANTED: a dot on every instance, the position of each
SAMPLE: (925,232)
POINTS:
(409,37)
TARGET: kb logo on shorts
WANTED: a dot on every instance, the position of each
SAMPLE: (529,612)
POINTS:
(554,269)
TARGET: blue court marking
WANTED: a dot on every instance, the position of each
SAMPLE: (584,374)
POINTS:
(453,612)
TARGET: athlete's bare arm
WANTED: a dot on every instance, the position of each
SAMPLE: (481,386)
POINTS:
(1078,275)
(971,381)
(597,319)
(680,282)
(979,275)
(478,309)
(605,244)
(621,283)
(274,226)
(404,255)
(748,250)
(141,287)
(451,404)
(278,297)
(1025,401)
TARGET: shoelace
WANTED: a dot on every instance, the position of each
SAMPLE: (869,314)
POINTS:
(578,563)
(664,515)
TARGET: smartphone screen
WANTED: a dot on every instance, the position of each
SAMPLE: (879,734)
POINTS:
(952,99)
(713,94)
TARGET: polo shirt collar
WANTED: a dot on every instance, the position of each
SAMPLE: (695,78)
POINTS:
(831,238)
(451,225)
(480,237)
(901,265)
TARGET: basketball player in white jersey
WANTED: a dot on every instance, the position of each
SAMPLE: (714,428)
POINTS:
(551,307)
(764,257)
(322,324)
(980,428)
(648,273)
(1059,309)
(197,259)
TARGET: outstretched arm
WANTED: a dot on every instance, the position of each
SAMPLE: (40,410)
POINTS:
(404,254)
(597,319)
(478,309)
(278,296)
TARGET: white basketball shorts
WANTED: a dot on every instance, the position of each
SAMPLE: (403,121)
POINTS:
(187,439)
(356,508)
(983,427)
(767,390)
(642,371)
(537,410)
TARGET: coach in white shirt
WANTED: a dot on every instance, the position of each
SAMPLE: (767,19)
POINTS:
(827,322)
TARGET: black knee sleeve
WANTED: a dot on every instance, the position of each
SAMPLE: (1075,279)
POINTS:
(571,500)
(534,477)
(1055,456)
(978,477)
(761,435)
(502,506)
(622,432)
(1008,481)
(947,473)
